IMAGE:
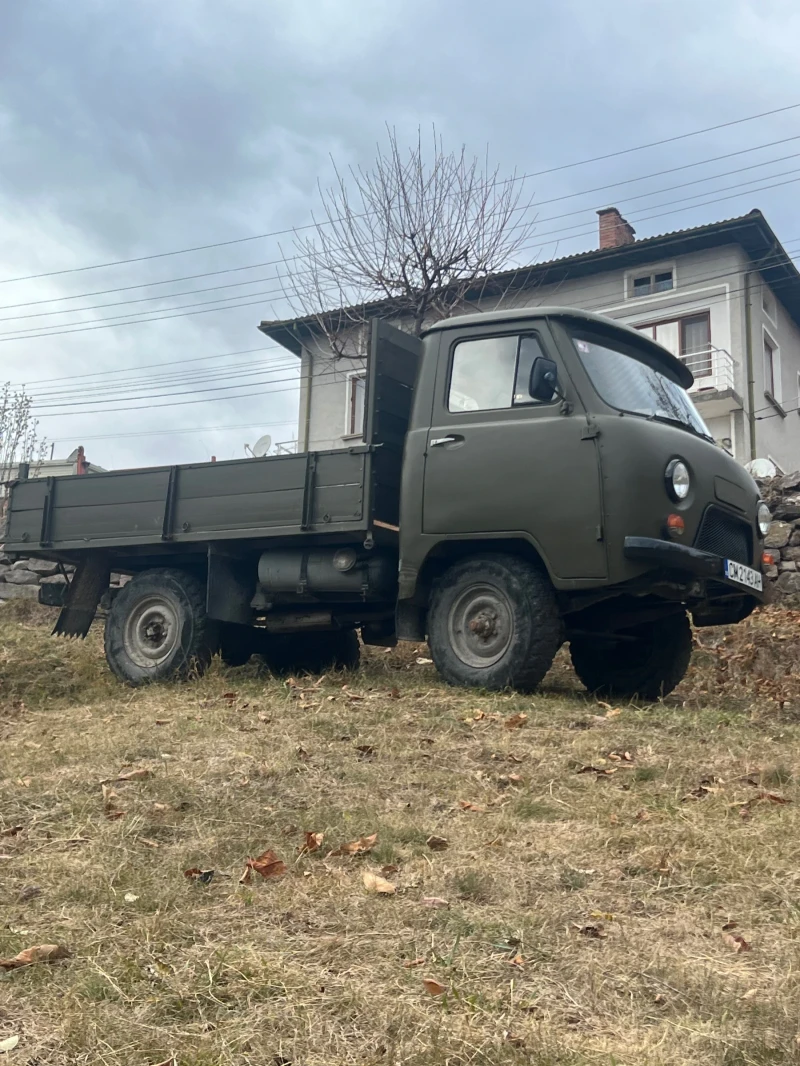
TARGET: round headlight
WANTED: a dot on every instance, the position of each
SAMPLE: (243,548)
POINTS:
(764,519)
(678,480)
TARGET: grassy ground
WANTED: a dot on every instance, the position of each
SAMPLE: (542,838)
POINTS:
(618,887)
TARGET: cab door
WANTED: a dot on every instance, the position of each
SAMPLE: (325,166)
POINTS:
(499,462)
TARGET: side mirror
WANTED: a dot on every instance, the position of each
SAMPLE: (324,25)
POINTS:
(543,384)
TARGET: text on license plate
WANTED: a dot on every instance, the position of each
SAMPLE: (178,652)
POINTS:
(743,575)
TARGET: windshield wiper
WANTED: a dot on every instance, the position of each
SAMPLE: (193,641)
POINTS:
(671,421)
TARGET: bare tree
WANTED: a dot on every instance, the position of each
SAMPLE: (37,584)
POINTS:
(418,230)
(19,433)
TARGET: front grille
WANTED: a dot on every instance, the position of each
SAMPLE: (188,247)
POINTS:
(722,534)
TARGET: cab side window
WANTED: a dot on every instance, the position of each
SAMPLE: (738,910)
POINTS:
(492,373)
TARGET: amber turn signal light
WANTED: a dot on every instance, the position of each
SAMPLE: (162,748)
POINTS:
(769,558)
(675,525)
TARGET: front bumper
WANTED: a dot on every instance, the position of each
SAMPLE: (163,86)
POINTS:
(667,555)
(673,556)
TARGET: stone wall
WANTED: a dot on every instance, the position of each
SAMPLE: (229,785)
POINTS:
(21,580)
(782,495)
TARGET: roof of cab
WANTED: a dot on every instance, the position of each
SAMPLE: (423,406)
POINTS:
(657,351)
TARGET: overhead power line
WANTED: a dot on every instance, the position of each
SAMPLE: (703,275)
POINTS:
(256,281)
(277,262)
(296,229)
(20,335)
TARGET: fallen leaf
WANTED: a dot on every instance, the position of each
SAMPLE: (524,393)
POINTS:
(365,750)
(773,797)
(516,721)
(230,696)
(39,953)
(424,662)
(595,932)
(374,883)
(409,964)
(24,781)
(751,993)
(12,831)
(515,758)
(163,721)
(601,771)
(9,1043)
(611,712)
(113,815)
(515,1041)
(389,869)
(351,695)
(434,901)
(312,843)
(196,874)
(394,693)
(159,808)
(133,775)
(465,805)
(437,843)
(642,816)
(356,847)
(517,961)
(130,897)
(620,756)
(150,843)
(268,865)
(605,915)
(735,942)
(434,987)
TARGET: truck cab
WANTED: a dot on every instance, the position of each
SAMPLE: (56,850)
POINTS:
(527,477)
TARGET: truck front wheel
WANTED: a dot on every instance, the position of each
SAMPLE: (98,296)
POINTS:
(158,629)
(648,661)
(494,623)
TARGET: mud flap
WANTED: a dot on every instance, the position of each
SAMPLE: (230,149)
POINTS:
(90,581)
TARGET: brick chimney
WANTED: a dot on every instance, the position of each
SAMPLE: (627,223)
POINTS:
(614,229)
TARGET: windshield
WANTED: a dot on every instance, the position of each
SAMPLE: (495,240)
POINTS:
(630,385)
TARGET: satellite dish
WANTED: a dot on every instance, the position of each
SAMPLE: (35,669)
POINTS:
(262,446)
(761,468)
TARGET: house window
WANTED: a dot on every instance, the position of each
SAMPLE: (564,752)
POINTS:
(648,284)
(492,373)
(767,306)
(356,395)
(689,338)
(696,344)
(770,368)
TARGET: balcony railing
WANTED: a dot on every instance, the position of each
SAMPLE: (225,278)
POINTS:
(713,369)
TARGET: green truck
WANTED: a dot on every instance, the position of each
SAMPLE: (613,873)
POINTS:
(526,478)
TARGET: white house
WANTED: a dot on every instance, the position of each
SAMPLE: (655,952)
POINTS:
(725,297)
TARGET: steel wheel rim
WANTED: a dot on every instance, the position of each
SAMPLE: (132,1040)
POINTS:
(152,632)
(481,626)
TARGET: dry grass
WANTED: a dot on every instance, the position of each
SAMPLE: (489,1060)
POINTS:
(586,910)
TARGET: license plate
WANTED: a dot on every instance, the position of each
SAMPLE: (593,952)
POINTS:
(743,575)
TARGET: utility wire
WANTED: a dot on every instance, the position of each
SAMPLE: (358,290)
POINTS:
(549,218)
(295,229)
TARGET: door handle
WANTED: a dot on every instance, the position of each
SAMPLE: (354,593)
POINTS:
(436,441)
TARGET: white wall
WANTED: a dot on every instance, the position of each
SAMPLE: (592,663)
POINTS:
(777,435)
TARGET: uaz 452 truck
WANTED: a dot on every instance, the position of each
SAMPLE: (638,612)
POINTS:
(526,477)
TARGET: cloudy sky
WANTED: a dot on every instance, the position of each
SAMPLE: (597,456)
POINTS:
(139,130)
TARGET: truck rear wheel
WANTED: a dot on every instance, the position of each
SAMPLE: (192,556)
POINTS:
(158,629)
(649,664)
(311,653)
(494,623)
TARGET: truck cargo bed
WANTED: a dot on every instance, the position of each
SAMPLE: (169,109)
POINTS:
(287,495)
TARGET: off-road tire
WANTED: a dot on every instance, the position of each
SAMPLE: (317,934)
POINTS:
(237,643)
(494,623)
(157,628)
(648,669)
(311,653)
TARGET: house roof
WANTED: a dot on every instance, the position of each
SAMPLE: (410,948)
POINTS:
(751,231)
